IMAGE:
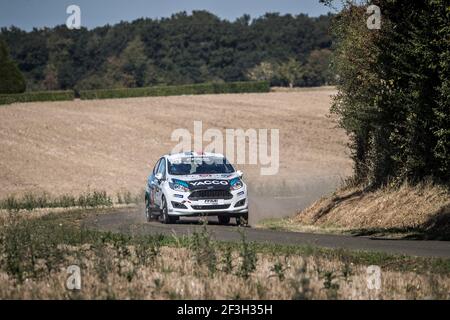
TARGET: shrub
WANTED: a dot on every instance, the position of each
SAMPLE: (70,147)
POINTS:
(279,269)
(227,260)
(249,259)
(6,99)
(204,250)
(37,96)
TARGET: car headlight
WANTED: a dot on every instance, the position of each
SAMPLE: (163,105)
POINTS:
(179,185)
(236,184)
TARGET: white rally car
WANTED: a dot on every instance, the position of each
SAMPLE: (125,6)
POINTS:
(196,184)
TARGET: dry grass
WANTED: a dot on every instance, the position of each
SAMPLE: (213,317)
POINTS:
(423,208)
(36,252)
(175,275)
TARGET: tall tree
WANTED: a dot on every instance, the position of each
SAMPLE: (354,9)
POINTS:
(265,71)
(317,68)
(290,71)
(51,78)
(11,79)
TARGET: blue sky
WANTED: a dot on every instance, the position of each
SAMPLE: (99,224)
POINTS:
(27,14)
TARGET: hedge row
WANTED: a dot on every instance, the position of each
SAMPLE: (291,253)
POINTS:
(37,96)
(204,88)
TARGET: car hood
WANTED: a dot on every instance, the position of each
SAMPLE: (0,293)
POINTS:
(194,177)
(208,181)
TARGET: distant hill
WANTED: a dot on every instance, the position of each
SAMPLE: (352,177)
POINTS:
(182,49)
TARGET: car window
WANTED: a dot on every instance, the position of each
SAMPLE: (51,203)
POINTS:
(155,169)
(162,167)
(201,165)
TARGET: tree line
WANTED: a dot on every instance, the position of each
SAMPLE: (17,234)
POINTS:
(394,90)
(185,48)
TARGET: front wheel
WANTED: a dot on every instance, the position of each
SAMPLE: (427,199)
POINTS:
(242,220)
(148,213)
(224,220)
(165,217)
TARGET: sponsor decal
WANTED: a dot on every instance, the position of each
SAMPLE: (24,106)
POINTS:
(214,201)
(209,183)
(234,181)
(181,183)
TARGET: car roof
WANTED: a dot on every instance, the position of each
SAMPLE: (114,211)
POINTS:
(194,155)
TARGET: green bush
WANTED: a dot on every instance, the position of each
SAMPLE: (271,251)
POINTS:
(37,96)
(192,89)
(11,80)
(6,99)
(394,96)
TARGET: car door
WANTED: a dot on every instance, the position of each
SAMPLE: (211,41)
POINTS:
(151,184)
(159,183)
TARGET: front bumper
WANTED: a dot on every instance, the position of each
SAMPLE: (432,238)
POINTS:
(211,207)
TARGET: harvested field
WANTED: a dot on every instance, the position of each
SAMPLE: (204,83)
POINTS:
(73,146)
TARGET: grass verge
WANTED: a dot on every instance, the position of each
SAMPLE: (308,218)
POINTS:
(31,201)
(36,253)
(89,199)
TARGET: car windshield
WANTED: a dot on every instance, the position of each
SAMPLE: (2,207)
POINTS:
(199,165)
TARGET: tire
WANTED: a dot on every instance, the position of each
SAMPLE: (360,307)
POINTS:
(148,213)
(242,220)
(165,217)
(224,220)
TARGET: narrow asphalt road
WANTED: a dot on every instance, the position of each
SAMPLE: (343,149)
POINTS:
(132,221)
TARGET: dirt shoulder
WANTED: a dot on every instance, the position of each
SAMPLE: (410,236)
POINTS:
(414,212)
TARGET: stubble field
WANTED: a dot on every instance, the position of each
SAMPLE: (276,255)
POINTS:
(75,146)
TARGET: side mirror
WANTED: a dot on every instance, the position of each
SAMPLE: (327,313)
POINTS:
(240,173)
(158,176)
